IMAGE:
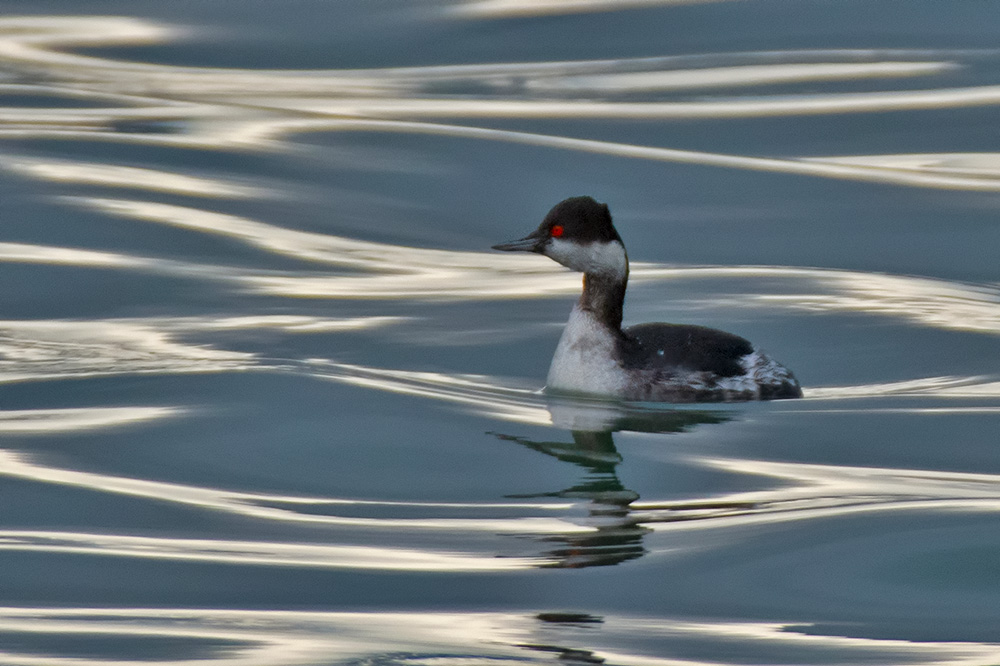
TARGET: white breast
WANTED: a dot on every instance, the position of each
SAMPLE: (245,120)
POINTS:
(586,358)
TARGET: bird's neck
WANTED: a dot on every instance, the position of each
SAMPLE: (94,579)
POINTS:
(604,296)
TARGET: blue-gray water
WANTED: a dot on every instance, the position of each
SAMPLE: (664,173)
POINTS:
(267,398)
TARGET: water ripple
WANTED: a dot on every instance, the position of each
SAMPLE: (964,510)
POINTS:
(612,530)
(394,271)
(597,520)
(225,108)
(823,491)
(33,350)
(279,637)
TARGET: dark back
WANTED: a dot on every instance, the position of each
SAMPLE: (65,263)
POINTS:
(692,347)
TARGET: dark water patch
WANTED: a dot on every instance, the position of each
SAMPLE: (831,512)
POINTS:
(150,648)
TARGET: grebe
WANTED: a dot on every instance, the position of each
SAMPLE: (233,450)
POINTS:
(647,362)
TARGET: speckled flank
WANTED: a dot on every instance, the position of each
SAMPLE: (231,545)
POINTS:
(773,380)
(763,379)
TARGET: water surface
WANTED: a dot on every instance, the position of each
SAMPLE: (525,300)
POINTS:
(266,397)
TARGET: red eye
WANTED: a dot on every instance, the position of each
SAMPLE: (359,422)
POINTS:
(556,231)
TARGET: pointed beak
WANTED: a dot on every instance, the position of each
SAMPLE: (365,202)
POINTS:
(530,243)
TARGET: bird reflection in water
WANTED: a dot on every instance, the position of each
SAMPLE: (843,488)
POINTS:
(618,533)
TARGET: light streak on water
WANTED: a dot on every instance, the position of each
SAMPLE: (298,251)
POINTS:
(287,638)
(925,301)
(746,75)
(514,8)
(814,491)
(111,175)
(259,553)
(53,349)
(46,421)
(941,387)
(274,507)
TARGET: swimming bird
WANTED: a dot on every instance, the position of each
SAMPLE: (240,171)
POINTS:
(648,362)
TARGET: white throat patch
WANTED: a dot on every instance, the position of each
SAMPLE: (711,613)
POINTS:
(607,258)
